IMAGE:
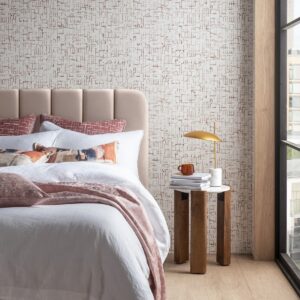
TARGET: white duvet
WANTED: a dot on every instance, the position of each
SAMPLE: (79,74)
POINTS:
(76,251)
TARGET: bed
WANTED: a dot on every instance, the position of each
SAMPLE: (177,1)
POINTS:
(88,248)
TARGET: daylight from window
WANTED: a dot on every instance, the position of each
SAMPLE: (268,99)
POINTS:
(293,133)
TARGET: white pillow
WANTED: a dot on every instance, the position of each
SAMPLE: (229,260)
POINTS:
(48,126)
(25,142)
(128,144)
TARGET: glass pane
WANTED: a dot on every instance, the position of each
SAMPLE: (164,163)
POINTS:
(293,10)
(294,72)
(293,205)
(293,80)
(294,87)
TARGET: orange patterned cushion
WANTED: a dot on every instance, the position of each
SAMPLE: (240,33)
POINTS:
(97,127)
(11,157)
(24,125)
(106,153)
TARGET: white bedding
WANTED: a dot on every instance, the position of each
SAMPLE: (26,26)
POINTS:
(76,251)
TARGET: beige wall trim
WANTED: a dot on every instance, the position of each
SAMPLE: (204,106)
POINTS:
(264,131)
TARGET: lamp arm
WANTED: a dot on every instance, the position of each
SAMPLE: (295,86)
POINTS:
(215,156)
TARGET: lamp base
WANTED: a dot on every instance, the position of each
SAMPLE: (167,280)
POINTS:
(216,177)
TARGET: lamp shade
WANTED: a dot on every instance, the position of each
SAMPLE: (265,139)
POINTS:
(203,135)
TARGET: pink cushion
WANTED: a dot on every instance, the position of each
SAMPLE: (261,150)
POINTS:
(24,125)
(96,127)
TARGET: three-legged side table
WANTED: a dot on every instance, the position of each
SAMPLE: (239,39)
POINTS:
(198,245)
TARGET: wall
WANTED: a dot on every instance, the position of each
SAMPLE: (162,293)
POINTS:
(192,59)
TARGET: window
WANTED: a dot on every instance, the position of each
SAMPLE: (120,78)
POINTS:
(288,139)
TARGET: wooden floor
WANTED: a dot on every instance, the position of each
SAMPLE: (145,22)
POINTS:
(244,279)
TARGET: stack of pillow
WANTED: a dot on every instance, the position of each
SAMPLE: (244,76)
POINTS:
(61,140)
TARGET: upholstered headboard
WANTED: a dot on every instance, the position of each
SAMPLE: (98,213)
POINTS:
(83,105)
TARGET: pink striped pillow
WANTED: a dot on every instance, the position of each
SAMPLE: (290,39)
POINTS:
(24,125)
(96,127)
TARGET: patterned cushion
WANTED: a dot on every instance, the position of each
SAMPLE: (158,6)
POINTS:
(106,153)
(11,157)
(24,125)
(97,127)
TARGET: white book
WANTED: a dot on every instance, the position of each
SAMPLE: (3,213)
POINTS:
(186,181)
(185,187)
(192,184)
(201,176)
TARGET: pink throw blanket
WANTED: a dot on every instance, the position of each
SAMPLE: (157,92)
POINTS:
(18,191)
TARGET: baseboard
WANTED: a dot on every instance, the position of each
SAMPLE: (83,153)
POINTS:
(170,256)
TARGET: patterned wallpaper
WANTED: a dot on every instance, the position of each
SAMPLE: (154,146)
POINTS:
(191,58)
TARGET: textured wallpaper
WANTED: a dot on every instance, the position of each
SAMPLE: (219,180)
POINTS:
(192,59)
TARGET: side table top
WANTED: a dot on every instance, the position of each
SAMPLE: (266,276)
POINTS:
(211,189)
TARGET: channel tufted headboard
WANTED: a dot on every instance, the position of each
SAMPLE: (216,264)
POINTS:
(83,105)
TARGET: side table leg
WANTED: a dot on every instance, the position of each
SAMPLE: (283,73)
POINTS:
(181,227)
(198,232)
(224,228)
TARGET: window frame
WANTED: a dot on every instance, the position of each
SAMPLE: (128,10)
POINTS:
(286,264)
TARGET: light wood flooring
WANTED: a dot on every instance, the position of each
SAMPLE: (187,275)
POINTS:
(244,279)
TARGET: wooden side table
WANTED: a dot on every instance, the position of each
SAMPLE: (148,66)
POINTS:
(198,253)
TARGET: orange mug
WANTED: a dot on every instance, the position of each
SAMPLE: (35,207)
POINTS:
(186,169)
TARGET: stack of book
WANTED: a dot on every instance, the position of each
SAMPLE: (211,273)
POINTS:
(199,181)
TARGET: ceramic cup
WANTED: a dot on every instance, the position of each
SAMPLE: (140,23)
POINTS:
(186,169)
(216,177)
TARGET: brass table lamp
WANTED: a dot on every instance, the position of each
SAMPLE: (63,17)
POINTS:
(216,179)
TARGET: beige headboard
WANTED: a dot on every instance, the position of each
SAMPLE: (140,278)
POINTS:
(83,105)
